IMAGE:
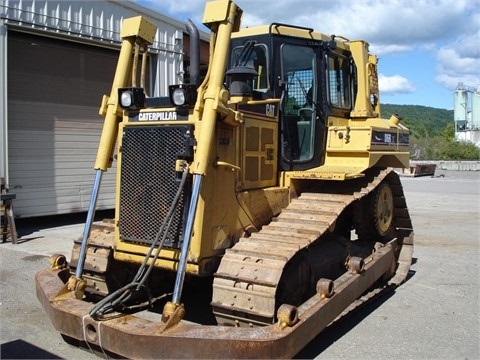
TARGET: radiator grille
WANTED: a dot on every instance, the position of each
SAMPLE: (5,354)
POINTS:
(148,182)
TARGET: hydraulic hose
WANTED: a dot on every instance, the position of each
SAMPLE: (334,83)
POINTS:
(177,291)
(123,294)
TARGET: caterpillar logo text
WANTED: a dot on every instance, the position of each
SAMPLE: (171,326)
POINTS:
(157,116)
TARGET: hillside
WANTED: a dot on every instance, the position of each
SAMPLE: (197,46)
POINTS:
(423,121)
(432,133)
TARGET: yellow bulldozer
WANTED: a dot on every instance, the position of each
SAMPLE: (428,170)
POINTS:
(270,182)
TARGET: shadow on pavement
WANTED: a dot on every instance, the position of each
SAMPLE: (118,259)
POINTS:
(19,349)
(340,327)
(27,226)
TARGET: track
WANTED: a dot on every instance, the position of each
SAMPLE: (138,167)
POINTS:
(98,258)
(248,285)
(248,282)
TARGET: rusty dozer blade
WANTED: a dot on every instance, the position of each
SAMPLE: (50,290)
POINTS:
(132,336)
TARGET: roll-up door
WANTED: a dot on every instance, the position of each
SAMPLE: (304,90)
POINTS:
(54,93)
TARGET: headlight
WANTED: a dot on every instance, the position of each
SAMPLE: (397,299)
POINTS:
(183,94)
(178,97)
(126,99)
(132,98)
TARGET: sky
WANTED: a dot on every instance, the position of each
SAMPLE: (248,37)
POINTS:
(425,47)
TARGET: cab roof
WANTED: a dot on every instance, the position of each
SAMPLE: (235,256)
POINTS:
(291,30)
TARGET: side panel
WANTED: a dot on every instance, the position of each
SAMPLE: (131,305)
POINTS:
(259,160)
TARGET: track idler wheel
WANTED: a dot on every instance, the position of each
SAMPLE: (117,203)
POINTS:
(373,215)
(383,209)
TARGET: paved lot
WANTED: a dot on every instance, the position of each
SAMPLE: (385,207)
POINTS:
(434,315)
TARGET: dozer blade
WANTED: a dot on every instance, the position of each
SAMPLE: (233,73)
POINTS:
(132,336)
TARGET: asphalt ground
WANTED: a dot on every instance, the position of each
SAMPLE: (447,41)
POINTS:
(433,315)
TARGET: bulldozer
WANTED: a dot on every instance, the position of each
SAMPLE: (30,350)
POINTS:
(269,185)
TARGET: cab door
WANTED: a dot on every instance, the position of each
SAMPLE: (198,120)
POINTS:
(302,135)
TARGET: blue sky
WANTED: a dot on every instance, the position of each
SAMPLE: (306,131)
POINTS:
(425,47)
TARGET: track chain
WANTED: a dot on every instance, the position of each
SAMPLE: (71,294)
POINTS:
(98,256)
(246,282)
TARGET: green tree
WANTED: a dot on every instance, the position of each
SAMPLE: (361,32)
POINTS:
(449,132)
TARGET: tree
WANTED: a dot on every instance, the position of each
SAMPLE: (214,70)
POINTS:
(449,132)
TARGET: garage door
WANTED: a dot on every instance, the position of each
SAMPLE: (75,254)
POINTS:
(54,93)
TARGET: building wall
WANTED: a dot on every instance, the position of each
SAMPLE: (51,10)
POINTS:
(57,59)
(53,123)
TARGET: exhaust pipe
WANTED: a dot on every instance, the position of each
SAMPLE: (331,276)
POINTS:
(194,52)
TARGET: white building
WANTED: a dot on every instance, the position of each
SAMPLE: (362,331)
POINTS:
(57,59)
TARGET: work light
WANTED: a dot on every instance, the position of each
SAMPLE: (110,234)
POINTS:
(132,98)
(183,95)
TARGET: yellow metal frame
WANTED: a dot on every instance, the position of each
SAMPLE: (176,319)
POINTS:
(137,29)
(243,190)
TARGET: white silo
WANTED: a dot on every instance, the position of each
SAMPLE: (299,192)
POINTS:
(475,115)
(460,108)
(467,113)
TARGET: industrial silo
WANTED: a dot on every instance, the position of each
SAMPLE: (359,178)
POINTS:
(460,108)
(476,109)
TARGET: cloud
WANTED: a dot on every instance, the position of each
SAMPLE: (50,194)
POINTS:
(393,85)
(459,62)
(179,10)
(390,24)
(390,49)
(448,27)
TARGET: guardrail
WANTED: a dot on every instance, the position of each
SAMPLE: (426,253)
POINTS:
(472,165)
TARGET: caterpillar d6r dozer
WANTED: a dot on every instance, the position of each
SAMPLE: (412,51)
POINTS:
(269,187)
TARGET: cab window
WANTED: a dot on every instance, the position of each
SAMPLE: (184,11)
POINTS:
(300,84)
(338,85)
(257,60)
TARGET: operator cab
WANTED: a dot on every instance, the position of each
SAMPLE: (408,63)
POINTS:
(313,77)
